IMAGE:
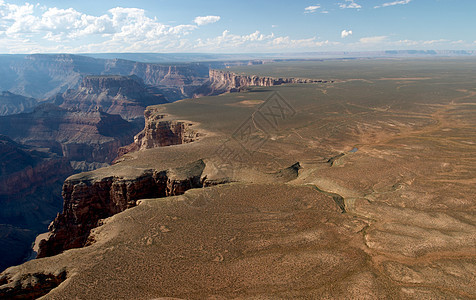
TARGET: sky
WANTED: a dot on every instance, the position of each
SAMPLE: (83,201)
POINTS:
(245,26)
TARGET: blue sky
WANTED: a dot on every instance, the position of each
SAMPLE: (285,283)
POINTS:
(53,26)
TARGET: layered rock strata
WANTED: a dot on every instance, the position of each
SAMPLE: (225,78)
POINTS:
(88,199)
(223,81)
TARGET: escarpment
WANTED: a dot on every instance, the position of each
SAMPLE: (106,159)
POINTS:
(222,81)
(159,131)
(91,137)
(88,198)
(126,96)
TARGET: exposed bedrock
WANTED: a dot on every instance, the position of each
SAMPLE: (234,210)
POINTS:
(160,132)
(126,96)
(92,137)
(31,286)
(222,81)
(88,199)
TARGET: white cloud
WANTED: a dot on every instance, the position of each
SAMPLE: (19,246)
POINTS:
(431,42)
(206,20)
(312,8)
(373,39)
(398,2)
(258,42)
(345,33)
(128,25)
(351,4)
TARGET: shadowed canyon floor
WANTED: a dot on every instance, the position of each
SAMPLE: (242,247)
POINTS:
(391,143)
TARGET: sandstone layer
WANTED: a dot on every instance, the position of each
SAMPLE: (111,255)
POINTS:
(126,96)
(93,137)
(224,81)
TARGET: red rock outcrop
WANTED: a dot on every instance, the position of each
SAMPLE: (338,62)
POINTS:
(222,81)
(88,199)
(159,133)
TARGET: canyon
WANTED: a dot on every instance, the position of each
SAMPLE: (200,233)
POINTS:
(11,104)
(336,188)
(126,96)
(30,186)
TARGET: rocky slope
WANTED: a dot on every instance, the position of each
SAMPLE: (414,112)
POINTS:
(223,81)
(29,186)
(160,131)
(42,76)
(126,96)
(88,199)
(11,104)
(92,137)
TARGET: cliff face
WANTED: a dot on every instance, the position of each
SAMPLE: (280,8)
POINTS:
(30,183)
(93,137)
(222,81)
(42,76)
(159,133)
(126,96)
(88,199)
(14,104)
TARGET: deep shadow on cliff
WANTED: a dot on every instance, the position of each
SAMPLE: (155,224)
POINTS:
(30,182)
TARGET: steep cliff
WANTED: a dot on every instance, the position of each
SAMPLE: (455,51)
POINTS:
(30,182)
(159,132)
(222,81)
(93,137)
(88,198)
(14,104)
(126,96)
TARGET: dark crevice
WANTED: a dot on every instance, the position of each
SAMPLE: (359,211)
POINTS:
(338,199)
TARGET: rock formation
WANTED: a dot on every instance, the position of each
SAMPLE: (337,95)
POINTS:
(14,104)
(88,199)
(223,81)
(92,137)
(42,76)
(29,186)
(126,96)
(160,132)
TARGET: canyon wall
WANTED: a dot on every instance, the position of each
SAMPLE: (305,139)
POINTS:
(223,81)
(88,199)
(30,183)
(14,104)
(92,137)
(126,96)
(42,75)
(160,132)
